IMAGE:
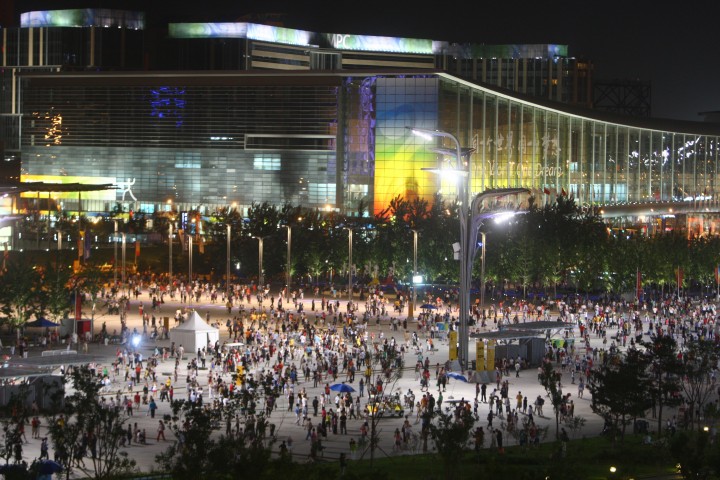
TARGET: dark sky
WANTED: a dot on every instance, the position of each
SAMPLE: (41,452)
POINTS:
(676,47)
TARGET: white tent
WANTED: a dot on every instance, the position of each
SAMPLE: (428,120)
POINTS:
(194,333)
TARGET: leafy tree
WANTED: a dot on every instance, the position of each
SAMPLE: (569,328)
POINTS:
(665,372)
(387,366)
(91,280)
(694,453)
(450,433)
(699,359)
(57,292)
(20,293)
(550,380)
(620,389)
(201,453)
(81,426)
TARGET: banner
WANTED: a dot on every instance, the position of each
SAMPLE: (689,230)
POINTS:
(480,356)
(453,350)
(81,244)
(137,248)
(88,247)
(78,305)
(491,355)
(679,276)
(181,236)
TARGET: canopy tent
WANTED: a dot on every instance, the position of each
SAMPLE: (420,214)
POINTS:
(42,322)
(194,333)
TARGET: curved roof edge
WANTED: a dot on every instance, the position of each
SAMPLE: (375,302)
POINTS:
(658,124)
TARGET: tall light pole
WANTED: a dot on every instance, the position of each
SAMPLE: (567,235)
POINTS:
(414,276)
(482,275)
(470,222)
(287,272)
(170,259)
(227,267)
(123,261)
(261,279)
(190,253)
(115,262)
(465,264)
(350,262)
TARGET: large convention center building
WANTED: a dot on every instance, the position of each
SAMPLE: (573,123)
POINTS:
(237,113)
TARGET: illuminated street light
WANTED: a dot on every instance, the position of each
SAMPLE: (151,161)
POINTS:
(261,279)
(350,282)
(469,227)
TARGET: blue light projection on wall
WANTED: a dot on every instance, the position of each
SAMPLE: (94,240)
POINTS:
(168,103)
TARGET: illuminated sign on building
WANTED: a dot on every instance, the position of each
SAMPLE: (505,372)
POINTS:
(251,31)
(380,44)
(85,17)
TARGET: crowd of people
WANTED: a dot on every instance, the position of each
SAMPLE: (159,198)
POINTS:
(287,351)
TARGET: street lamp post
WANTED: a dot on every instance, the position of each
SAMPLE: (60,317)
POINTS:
(123,261)
(469,227)
(227,267)
(115,254)
(261,280)
(482,275)
(190,254)
(414,276)
(170,258)
(287,272)
(465,264)
(350,262)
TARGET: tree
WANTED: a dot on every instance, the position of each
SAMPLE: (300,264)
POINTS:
(694,453)
(450,433)
(202,453)
(388,368)
(91,280)
(81,426)
(665,371)
(620,390)
(550,380)
(699,359)
(57,292)
(20,293)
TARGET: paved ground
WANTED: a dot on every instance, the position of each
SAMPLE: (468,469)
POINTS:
(284,420)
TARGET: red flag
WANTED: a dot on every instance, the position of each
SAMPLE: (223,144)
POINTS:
(563,192)
(78,305)
(680,275)
(717,274)
(546,190)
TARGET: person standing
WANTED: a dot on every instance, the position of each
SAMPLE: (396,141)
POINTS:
(499,440)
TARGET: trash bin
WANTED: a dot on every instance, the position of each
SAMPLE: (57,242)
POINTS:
(474,364)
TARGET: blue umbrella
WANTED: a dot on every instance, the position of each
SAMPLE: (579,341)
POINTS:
(48,467)
(457,376)
(428,306)
(342,387)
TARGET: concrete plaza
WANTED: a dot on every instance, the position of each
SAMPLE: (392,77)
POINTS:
(283,417)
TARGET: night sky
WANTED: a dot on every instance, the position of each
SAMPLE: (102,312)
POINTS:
(675,47)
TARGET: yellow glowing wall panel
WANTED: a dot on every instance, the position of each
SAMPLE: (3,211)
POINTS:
(400,156)
(491,355)
(65,179)
(479,356)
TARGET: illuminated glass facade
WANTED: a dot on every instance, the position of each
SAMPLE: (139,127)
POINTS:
(333,139)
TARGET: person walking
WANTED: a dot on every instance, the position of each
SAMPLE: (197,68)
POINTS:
(161,431)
